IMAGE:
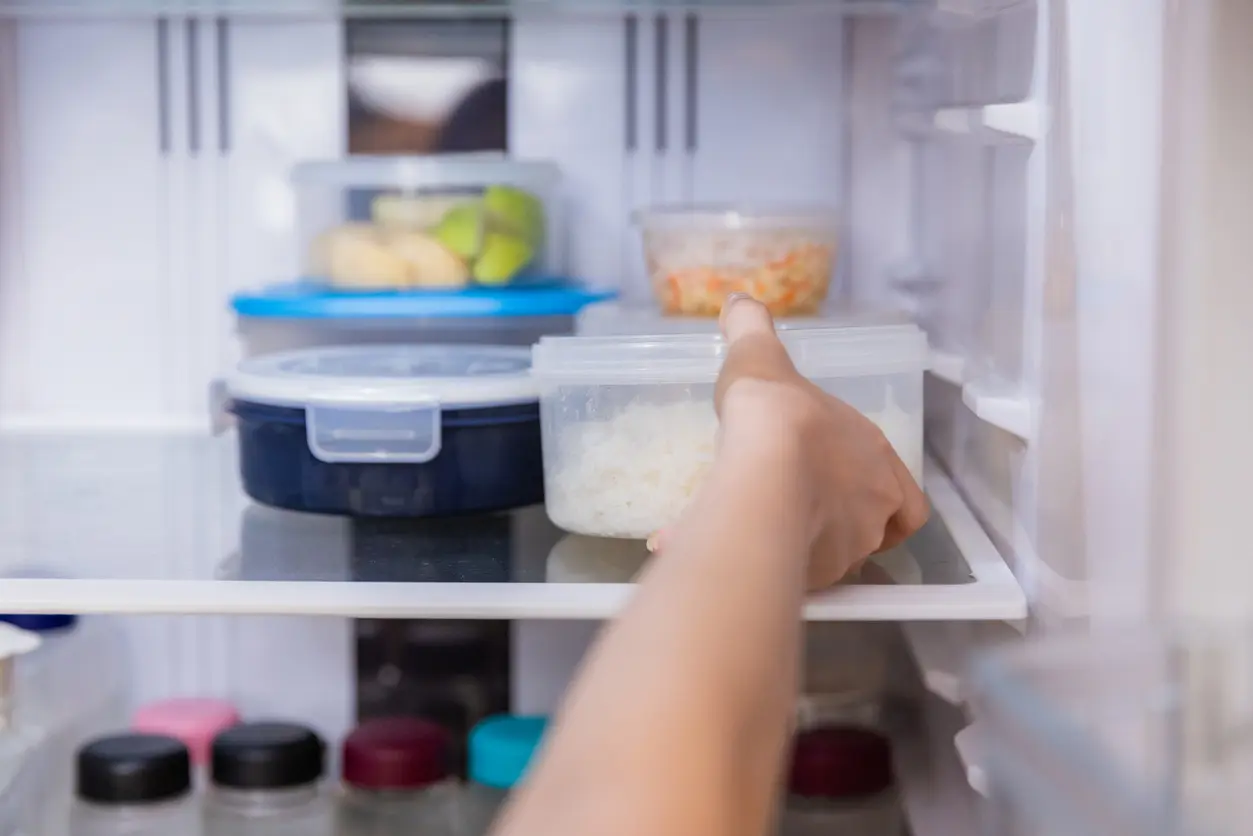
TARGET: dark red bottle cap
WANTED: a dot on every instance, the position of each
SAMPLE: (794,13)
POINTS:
(395,753)
(840,762)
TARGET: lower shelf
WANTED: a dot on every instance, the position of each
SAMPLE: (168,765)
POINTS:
(158,525)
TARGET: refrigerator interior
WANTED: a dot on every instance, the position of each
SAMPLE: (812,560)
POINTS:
(144,156)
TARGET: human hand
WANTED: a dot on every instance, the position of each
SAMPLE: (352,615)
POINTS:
(858,495)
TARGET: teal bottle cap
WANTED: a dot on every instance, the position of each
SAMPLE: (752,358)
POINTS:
(501,748)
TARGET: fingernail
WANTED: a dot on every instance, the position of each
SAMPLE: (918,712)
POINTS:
(735,297)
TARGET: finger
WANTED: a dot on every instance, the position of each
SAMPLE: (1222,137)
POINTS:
(742,316)
(914,509)
(656,540)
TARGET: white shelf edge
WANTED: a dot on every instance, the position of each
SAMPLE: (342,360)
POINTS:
(1022,119)
(1010,412)
(993,594)
(967,744)
(949,367)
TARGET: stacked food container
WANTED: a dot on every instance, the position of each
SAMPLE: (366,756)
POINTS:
(392,379)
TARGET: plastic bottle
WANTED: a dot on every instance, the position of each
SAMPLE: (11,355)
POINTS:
(196,722)
(841,784)
(266,781)
(74,689)
(395,776)
(134,785)
(501,749)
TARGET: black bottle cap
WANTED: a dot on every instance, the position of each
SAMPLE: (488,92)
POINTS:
(262,756)
(133,769)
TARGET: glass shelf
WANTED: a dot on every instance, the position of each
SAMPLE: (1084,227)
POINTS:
(158,524)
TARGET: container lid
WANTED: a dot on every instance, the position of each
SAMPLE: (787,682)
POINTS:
(193,721)
(306,300)
(697,358)
(383,404)
(609,319)
(40,622)
(501,749)
(840,762)
(265,756)
(393,753)
(387,376)
(133,769)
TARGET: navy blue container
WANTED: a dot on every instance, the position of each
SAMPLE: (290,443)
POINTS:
(390,431)
(491,460)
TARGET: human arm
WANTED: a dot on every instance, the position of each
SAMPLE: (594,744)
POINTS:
(678,721)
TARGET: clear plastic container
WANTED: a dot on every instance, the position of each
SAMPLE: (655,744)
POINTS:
(841,784)
(433,222)
(266,781)
(614,319)
(698,255)
(134,785)
(396,782)
(73,688)
(23,756)
(501,749)
(390,431)
(629,423)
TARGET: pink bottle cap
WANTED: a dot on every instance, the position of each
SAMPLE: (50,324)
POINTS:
(194,721)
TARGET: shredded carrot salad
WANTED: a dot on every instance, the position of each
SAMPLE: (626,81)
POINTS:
(790,281)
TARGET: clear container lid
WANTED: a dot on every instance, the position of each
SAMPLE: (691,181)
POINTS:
(609,319)
(697,358)
(732,217)
(387,375)
(384,404)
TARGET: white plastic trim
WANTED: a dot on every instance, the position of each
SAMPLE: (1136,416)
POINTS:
(949,367)
(1010,412)
(969,752)
(1024,119)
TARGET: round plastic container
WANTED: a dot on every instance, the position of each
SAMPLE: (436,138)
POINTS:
(629,423)
(307,315)
(266,782)
(698,255)
(841,784)
(434,222)
(395,775)
(133,785)
(501,749)
(389,431)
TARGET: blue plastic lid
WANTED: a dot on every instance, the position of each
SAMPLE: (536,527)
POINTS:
(501,749)
(304,300)
(39,622)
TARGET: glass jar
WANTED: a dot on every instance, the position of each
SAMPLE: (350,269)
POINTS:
(134,785)
(841,784)
(396,783)
(266,781)
(500,750)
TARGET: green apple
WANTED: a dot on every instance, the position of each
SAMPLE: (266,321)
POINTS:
(502,257)
(517,211)
(461,230)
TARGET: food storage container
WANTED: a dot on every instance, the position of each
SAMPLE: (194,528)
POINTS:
(841,784)
(501,750)
(134,785)
(698,255)
(432,222)
(396,780)
(629,424)
(614,319)
(266,781)
(285,317)
(389,431)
